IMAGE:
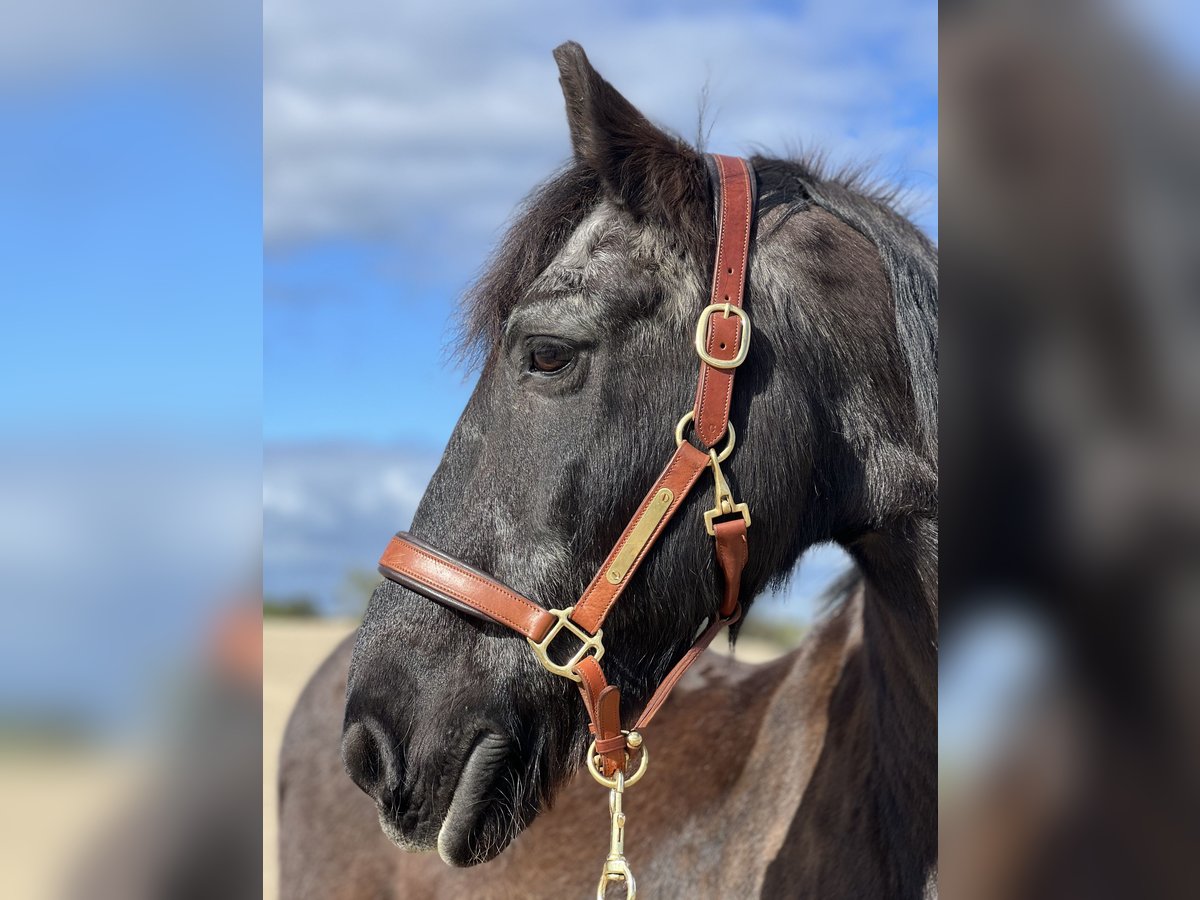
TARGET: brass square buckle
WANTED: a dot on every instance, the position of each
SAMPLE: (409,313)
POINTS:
(725,509)
(727,309)
(590,642)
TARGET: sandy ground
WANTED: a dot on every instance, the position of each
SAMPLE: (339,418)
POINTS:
(292,650)
(52,802)
(56,802)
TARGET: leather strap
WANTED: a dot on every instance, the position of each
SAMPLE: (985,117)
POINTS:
(714,392)
(679,476)
(733,551)
(421,568)
(603,704)
(694,652)
(602,700)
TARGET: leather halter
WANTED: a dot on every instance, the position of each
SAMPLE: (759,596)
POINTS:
(722,340)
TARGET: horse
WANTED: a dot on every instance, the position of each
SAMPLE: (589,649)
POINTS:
(814,775)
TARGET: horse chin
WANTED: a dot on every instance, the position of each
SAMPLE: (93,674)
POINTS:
(463,839)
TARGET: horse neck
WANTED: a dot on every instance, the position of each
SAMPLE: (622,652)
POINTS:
(881,732)
(897,684)
(850,809)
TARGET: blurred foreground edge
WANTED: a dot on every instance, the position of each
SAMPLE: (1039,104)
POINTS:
(190,825)
(1070,740)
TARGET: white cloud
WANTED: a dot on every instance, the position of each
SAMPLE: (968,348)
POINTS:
(383,120)
(329,509)
(50,40)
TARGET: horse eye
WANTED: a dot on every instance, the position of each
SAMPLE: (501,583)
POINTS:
(550,358)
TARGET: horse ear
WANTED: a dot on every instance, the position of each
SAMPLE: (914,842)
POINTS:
(651,172)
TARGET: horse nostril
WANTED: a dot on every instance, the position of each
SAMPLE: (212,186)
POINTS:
(368,757)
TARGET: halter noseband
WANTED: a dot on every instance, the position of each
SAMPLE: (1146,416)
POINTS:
(722,341)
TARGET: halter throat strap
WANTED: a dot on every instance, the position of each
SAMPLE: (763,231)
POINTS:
(722,341)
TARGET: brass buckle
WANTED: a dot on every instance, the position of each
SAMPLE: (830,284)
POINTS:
(590,642)
(725,504)
(727,309)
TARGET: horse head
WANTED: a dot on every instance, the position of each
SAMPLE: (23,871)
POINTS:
(583,325)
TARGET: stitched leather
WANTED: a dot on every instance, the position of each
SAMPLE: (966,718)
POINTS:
(714,391)
(610,742)
(603,704)
(608,745)
(664,689)
(425,570)
(732,553)
(591,684)
(679,476)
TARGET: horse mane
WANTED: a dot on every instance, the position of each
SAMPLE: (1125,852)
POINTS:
(551,213)
(909,260)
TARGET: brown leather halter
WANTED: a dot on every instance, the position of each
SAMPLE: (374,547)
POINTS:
(722,341)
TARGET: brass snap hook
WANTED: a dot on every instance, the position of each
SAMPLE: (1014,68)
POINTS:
(616,869)
(724,504)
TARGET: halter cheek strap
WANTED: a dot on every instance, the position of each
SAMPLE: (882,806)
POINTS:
(722,340)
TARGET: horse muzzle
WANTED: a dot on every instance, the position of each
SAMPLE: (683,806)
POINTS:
(453,802)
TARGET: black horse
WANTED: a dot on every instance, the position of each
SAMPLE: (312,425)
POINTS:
(582,325)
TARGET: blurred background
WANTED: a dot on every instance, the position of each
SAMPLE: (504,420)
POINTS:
(1069,718)
(130,461)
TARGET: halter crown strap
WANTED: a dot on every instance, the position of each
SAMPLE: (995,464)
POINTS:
(722,341)
(723,332)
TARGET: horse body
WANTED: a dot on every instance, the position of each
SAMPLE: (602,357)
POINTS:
(812,776)
(717,808)
(760,787)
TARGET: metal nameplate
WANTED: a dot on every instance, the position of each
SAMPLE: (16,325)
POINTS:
(640,536)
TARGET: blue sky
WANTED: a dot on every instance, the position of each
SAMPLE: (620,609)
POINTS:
(131,177)
(181,300)
(398,144)
(131,350)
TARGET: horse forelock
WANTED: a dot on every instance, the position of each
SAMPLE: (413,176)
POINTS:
(537,233)
(908,257)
